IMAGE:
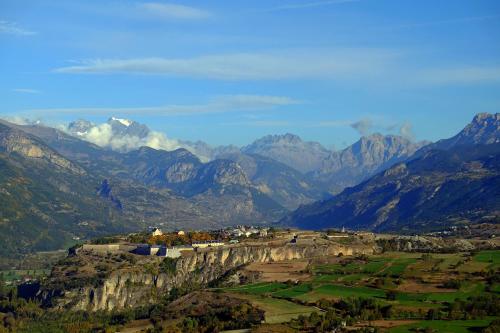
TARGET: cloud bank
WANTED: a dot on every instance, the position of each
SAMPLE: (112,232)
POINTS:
(103,136)
(219,104)
(460,75)
(26,91)
(173,11)
(248,66)
(311,4)
(12,28)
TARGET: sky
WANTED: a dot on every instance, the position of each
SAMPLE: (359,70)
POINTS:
(229,72)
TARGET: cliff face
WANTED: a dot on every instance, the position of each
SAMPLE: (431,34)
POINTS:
(136,286)
(16,141)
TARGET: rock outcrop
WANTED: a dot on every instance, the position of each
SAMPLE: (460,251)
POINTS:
(138,285)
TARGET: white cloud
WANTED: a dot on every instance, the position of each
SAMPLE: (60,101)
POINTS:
(286,123)
(18,120)
(363,126)
(310,4)
(220,104)
(12,28)
(102,135)
(460,75)
(441,22)
(26,91)
(295,64)
(406,131)
(173,11)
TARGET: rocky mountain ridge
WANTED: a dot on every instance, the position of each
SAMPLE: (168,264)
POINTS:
(326,170)
(438,189)
(290,150)
(483,129)
(363,159)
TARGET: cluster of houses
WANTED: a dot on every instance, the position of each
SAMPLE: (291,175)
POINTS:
(175,251)
(248,231)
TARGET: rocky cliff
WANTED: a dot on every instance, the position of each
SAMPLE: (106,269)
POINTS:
(18,142)
(140,284)
(366,157)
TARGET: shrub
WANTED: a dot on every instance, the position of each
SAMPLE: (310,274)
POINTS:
(168,266)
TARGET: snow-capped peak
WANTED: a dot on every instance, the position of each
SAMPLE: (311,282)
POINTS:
(124,122)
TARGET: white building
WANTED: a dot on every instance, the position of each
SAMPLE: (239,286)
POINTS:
(156,232)
(205,244)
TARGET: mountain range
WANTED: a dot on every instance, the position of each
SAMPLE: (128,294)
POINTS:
(289,170)
(454,181)
(61,185)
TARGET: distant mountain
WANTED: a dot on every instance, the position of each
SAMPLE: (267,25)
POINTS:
(484,129)
(80,127)
(206,152)
(125,127)
(51,197)
(45,199)
(283,184)
(333,170)
(364,158)
(289,149)
(119,127)
(179,171)
(458,181)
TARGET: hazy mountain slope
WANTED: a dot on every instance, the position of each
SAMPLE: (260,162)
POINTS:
(47,199)
(285,185)
(435,190)
(221,183)
(326,170)
(44,196)
(182,171)
(363,159)
(289,149)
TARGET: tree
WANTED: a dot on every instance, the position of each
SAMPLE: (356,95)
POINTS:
(391,295)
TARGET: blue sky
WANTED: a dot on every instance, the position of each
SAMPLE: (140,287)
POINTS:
(232,71)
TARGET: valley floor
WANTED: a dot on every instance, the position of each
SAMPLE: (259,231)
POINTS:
(413,286)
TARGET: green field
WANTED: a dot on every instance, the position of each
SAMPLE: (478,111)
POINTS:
(279,310)
(259,288)
(294,291)
(333,290)
(378,276)
(443,326)
(490,257)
